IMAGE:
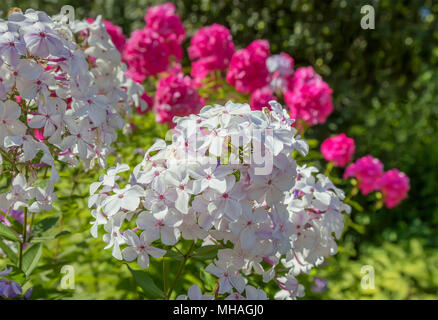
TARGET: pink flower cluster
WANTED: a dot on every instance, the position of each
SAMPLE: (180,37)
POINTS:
(115,32)
(261,97)
(211,48)
(176,96)
(394,186)
(252,70)
(149,103)
(248,71)
(338,149)
(369,173)
(151,51)
(366,170)
(309,97)
(147,54)
(164,21)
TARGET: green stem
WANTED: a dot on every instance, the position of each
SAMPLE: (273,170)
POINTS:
(32,215)
(178,250)
(180,269)
(328,169)
(24,233)
(164,277)
(20,261)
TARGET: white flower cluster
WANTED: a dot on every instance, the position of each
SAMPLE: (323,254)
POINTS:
(105,63)
(269,215)
(53,106)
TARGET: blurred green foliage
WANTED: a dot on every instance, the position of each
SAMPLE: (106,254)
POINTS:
(385,89)
(400,272)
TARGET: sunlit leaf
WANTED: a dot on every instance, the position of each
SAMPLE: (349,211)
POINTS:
(150,289)
(7,233)
(31,258)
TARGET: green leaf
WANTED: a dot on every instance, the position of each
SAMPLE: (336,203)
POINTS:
(44,225)
(31,258)
(62,233)
(313,143)
(50,237)
(354,204)
(174,255)
(206,252)
(7,233)
(73,197)
(357,227)
(11,254)
(207,280)
(150,289)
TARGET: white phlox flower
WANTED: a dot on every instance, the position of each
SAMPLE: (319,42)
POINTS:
(63,95)
(205,184)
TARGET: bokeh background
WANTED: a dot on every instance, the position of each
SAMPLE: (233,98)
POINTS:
(385,91)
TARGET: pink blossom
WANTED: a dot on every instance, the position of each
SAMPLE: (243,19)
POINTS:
(148,101)
(211,48)
(309,97)
(19,100)
(148,54)
(338,149)
(115,32)
(394,186)
(175,96)
(260,98)
(163,20)
(248,71)
(135,75)
(39,134)
(366,170)
(202,67)
(175,68)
